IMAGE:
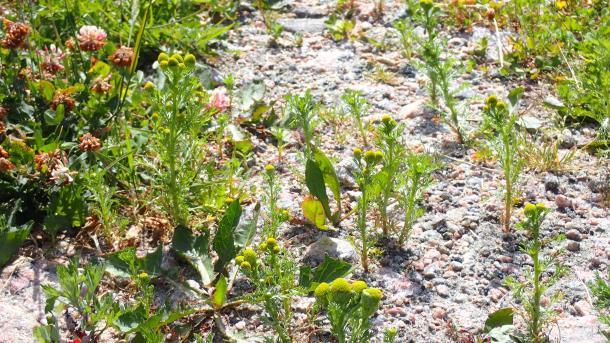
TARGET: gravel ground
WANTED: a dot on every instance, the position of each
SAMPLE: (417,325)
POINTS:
(449,277)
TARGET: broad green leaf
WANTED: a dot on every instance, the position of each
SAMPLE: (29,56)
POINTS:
(251,94)
(196,251)
(46,89)
(220,293)
(327,271)
(125,263)
(330,176)
(130,320)
(224,241)
(11,239)
(501,317)
(313,210)
(314,179)
(246,229)
(515,95)
(504,334)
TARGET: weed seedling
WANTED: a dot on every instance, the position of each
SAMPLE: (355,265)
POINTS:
(413,183)
(365,175)
(178,135)
(389,141)
(531,291)
(358,107)
(272,272)
(500,127)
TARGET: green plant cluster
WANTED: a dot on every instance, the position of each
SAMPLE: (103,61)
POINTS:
(348,307)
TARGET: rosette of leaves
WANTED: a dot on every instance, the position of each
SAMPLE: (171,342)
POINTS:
(348,307)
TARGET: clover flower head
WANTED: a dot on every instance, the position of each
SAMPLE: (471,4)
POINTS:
(122,57)
(61,175)
(101,85)
(219,100)
(3,153)
(63,98)
(91,38)
(52,58)
(88,142)
(16,34)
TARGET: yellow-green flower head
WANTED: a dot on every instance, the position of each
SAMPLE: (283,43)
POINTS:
(357,152)
(163,64)
(370,300)
(529,209)
(426,4)
(271,241)
(370,156)
(190,60)
(181,65)
(162,57)
(541,206)
(173,62)
(491,101)
(246,265)
(501,105)
(322,290)
(386,118)
(378,156)
(178,57)
(269,168)
(276,249)
(250,256)
(359,286)
(239,259)
(485,108)
(263,246)
(143,275)
(340,291)
(149,86)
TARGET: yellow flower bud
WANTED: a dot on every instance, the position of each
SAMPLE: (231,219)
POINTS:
(239,259)
(162,57)
(190,60)
(359,286)
(246,265)
(357,152)
(269,168)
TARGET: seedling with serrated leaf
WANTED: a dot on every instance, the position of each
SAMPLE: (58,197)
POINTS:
(365,174)
(544,273)
(390,142)
(412,184)
(358,107)
(273,273)
(500,128)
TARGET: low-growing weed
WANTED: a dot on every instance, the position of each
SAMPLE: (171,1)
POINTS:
(348,307)
(273,274)
(502,135)
(538,278)
(358,107)
(412,185)
(366,171)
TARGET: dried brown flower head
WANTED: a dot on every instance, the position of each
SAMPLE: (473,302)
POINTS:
(16,34)
(122,57)
(89,143)
(101,85)
(63,98)
(46,161)
(6,165)
(3,153)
